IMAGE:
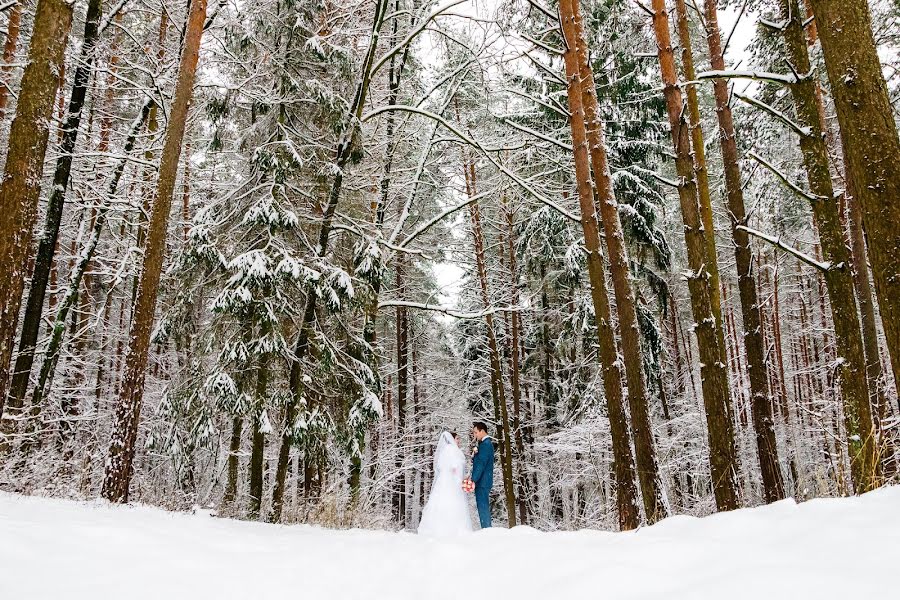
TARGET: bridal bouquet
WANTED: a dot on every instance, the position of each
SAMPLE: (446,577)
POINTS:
(468,485)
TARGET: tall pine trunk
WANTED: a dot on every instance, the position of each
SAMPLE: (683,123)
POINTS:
(707,328)
(21,185)
(867,122)
(757,367)
(124,437)
(838,276)
(610,366)
(655,502)
(701,171)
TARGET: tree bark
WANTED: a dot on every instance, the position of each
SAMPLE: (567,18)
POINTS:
(402,332)
(707,328)
(122,447)
(21,183)
(623,463)
(515,361)
(838,277)
(46,248)
(866,121)
(652,489)
(13,26)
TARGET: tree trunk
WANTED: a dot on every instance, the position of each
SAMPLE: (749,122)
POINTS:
(78,269)
(707,328)
(257,453)
(700,169)
(122,448)
(866,121)
(761,399)
(655,502)
(47,246)
(402,331)
(838,277)
(237,426)
(498,385)
(866,303)
(610,366)
(21,187)
(515,362)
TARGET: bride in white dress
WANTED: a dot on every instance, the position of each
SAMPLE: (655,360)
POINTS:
(447,512)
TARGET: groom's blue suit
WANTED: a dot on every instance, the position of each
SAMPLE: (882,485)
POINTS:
(483,478)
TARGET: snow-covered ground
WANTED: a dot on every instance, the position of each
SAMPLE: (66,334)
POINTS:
(847,548)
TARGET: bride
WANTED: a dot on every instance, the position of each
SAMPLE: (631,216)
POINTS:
(446,512)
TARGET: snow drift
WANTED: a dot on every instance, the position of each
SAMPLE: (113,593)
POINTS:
(830,548)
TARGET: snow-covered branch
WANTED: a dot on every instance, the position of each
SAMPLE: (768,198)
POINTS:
(755,75)
(803,131)
(487,153)
(412,34)
(784,178)
(451,312)
(545,11)
(776,241)
(538,134)
(444,214)
(545,47)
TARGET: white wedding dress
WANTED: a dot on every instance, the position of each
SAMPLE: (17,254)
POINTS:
(446,512)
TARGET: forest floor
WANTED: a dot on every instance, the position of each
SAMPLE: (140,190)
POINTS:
(823,549)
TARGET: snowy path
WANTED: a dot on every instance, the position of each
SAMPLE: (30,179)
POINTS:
(821,549)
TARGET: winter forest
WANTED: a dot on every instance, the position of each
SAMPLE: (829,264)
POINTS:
(256,255)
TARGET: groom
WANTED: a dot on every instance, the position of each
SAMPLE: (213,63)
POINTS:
(483,472)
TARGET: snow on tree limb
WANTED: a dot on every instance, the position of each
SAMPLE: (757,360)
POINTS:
(755,75)
(412,34)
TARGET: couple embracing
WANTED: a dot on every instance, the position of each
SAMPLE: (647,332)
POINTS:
(447,512)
